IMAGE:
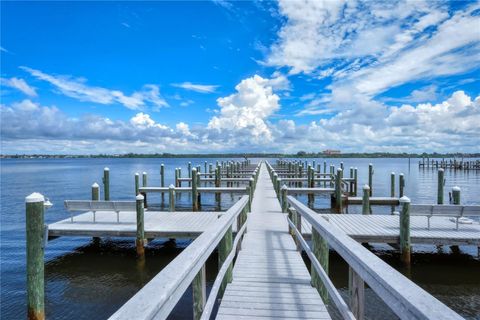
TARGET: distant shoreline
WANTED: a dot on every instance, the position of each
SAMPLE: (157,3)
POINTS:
(248,155)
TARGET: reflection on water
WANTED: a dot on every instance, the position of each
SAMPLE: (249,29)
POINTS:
(89,281)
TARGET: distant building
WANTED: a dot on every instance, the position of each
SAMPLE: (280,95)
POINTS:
(330,152)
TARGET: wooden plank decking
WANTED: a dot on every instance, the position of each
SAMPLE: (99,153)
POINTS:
(270,279)
(385,229)
(158,224)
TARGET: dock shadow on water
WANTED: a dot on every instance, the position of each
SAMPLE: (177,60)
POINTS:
(95,280)
(450,276)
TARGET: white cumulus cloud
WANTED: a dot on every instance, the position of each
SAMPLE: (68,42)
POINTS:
(246,111)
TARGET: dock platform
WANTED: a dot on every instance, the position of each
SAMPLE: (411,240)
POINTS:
(386,229)
(270,279)
(158,224)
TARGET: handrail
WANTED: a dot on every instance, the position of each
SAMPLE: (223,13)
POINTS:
(207,310)
(406,299)
(332,291)
(158,297)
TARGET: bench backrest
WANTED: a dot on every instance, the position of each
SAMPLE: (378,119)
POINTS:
(444,210)
(89,205)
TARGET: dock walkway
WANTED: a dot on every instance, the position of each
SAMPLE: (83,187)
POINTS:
(270,279)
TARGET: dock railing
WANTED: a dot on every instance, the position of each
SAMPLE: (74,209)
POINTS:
(404,298)
(158,297)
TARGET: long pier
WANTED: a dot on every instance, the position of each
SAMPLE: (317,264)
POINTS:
(260,240)
(270,279)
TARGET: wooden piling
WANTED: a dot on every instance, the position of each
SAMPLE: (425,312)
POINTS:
(199,292)
(392,184)
(370,178)
(366,200)
(194,190)
(338,190)
(441,183)
(137,183)
(144,179)
(35,234)
(224,249)
(321,251)
(189,172)
(401,185)
(171,198)
(456,195)
(106,184)
(405,230)
(249,192)
(162,180)
(284,198)
(140,235)
(357,294)
(95,192)
(144,184)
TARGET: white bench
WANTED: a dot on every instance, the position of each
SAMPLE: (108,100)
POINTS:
(444,210)
(94,206)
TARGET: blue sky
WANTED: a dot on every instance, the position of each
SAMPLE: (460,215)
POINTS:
(213,76)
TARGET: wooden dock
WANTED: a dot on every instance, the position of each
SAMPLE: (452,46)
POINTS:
(386,229)
(270,279)
(260,240)
(158,224)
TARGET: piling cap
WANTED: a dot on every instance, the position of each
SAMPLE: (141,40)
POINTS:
(194,169)
(339,170)
(284,187)
(106,169)
(404,199)
(393,173)
(366,187)
(441,169)
(34,197)
(456,188)
(171,186)
(137,174)
(139,197)
(144,172)
(251,179)
(95,185)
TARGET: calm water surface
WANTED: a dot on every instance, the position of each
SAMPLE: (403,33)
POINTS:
(89,281)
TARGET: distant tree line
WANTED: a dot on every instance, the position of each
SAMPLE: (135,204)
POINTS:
(299,154)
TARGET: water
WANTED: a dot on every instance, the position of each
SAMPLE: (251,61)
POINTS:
(86,281)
